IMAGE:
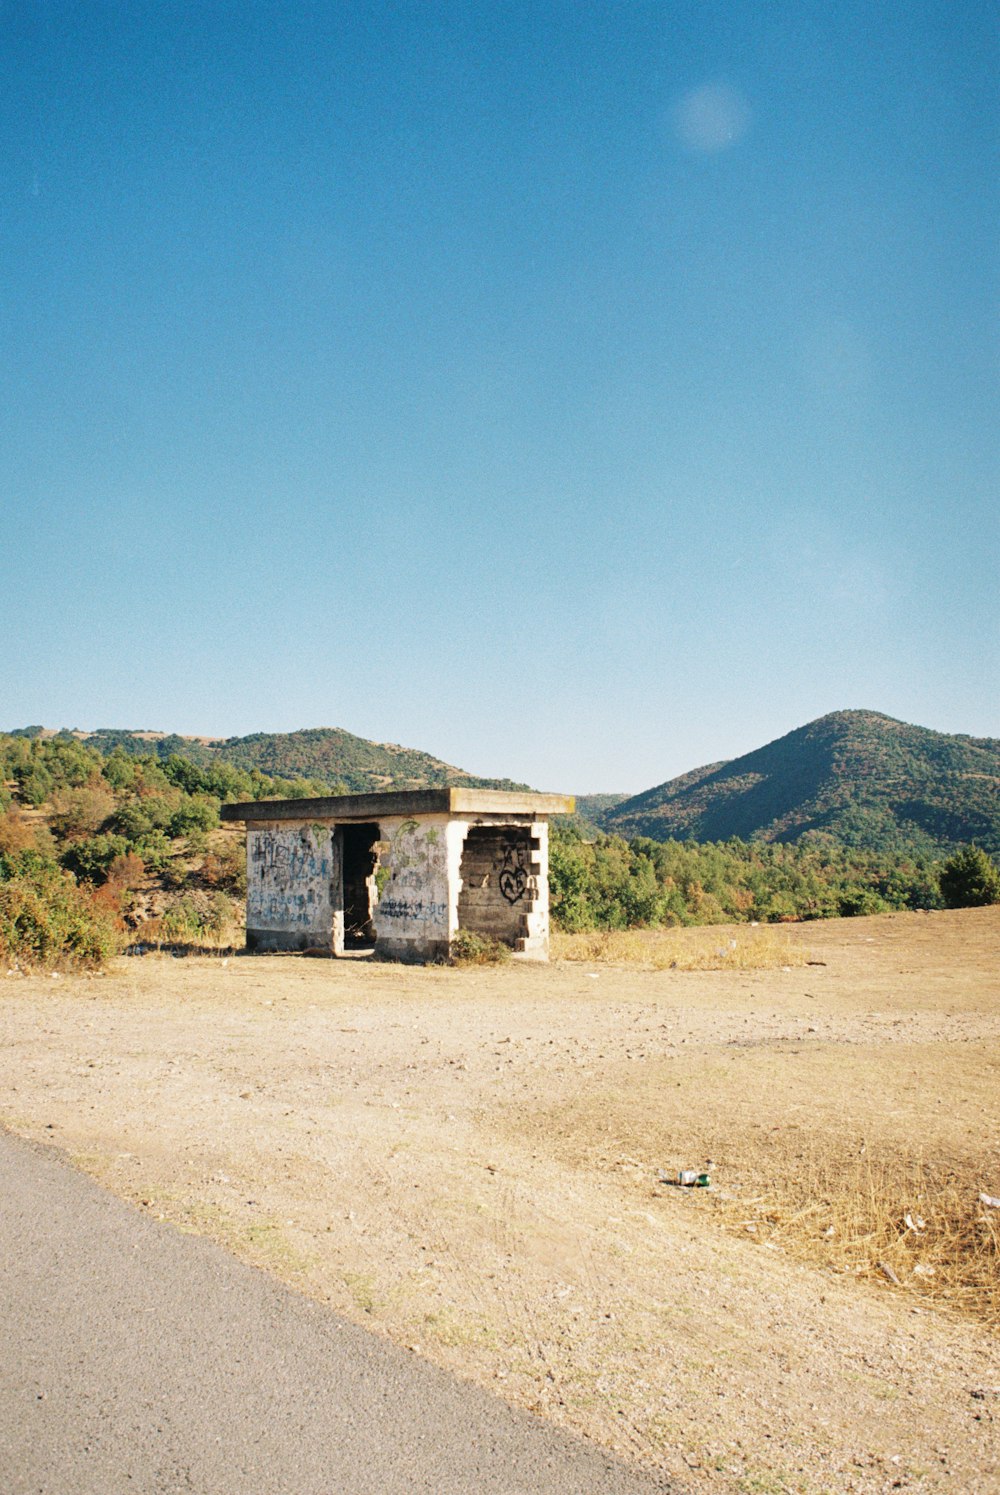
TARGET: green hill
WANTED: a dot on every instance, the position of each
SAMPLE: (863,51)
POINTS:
(328,755)
(858,777)
(331,753)
(592,810)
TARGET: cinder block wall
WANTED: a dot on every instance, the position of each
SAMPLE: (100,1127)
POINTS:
(503,873)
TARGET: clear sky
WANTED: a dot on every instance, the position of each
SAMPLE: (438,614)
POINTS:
(581,392)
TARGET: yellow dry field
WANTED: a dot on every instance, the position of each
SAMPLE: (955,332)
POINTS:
(468,1161)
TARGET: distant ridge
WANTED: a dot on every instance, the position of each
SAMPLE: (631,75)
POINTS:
(328,755)
(857,777)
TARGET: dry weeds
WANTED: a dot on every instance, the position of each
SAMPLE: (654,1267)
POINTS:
(916,1224)
(713,948)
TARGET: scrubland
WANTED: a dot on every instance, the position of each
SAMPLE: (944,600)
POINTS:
(477,1162)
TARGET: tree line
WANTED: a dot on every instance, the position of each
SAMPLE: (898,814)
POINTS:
(97,849)
(599,881)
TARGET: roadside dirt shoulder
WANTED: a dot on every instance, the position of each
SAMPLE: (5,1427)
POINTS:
(468,1160)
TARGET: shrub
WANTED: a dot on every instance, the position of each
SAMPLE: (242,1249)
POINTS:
(119,769)
(44,919)
(569,880)
(79,812)
(16,832)
(199,813)
(34,783)
(970,879)
(226,867)
(861,901)
(91,858)
(468,949)
(138,817)
(155,850)
(197,918)
(174,872)
(126,872)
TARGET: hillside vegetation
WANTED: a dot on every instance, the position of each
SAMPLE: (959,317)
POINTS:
(100,849)
(337,760)
(606,882)
(95,848)
(114,838)
(856,778)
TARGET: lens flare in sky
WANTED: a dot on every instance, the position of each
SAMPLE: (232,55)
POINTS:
(711,118)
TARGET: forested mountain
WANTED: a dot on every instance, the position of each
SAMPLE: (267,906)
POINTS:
(328,755)
(858,777)
(594,809)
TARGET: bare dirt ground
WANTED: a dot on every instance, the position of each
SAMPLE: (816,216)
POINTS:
(467,1161)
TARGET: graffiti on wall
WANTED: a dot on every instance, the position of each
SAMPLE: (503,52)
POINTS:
(420,910)
(284,860)
(285,910)
(414,901)
(513,879)
(289,880)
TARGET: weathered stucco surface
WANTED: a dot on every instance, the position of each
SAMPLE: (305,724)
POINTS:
(416,914)
(536,944)
(292,870)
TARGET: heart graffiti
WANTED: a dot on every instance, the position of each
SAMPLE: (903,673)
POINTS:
(513,878)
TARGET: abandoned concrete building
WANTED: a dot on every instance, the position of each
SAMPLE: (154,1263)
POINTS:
(399,873)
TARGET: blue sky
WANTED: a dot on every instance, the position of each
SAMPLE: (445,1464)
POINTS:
(579,392)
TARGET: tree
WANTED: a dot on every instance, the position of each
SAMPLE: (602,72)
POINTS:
(970,879)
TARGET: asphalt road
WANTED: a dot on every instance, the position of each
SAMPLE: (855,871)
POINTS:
(136,1359)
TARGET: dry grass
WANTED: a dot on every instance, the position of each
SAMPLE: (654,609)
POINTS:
(821,1149)
(700,949)
(469,1160)
(916,1224)
(159,935)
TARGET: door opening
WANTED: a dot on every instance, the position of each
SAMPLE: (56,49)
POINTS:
(499,872)
(360,887)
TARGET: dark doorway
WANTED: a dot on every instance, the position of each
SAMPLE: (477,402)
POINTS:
(360,889)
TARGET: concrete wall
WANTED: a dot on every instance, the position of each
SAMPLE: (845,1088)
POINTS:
(535,942)
(443,873)
(293,886)
(415,916)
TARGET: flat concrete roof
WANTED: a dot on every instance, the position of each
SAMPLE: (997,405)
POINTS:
(413,802)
